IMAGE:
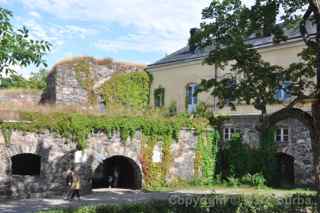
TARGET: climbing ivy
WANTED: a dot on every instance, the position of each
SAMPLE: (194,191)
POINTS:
(78,126)
(84,77)
(155,174)
(206,155)
(163,130)
(6,133)
(129,90)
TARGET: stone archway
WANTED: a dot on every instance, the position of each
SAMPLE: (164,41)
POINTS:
(285,170)
(117,172)
(26,164)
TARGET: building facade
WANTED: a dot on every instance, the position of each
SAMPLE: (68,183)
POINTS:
(176,77)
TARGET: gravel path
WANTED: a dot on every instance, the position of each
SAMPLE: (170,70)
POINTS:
(110,196)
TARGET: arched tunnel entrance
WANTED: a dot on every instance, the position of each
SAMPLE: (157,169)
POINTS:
(117,172)
(26,164)
(286,170)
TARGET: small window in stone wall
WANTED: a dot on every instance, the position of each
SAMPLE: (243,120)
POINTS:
(282,135)
(228,132)
(26,164)
(102,104)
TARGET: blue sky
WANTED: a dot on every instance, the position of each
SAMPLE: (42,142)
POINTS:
(140,31)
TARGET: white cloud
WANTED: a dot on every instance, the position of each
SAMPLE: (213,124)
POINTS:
(34,14)
(56,34)
(164,23)
(141,42)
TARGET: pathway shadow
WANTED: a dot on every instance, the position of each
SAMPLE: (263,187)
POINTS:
(98,197)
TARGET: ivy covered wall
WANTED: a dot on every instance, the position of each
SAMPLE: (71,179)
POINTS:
(126,90)
(75,81)
(134,137)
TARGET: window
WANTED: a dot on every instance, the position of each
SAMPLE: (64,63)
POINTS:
(102,104)
(283,94)
(191,97)
(228,132)
(159,97)
(26,164)
(231,85)
(282,135)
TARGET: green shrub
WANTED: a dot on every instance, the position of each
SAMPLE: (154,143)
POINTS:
(211,203)
(237,159)
(257,180)
(232,181)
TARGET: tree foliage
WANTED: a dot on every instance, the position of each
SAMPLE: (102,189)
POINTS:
(228,26)
(16,46)
(37,80)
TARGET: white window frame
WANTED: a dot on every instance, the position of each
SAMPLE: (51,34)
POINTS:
(228,132)
(192,107)
(282,135)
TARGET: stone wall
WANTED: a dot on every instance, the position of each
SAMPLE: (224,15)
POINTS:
(299,145)
(65,89)
(57,155)
(19,97)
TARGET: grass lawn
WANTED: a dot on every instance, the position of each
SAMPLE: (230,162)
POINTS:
(243,189)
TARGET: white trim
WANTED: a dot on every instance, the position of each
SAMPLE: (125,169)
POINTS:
(282,135)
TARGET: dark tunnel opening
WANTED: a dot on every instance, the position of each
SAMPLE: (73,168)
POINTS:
(117,172)
(26,164)
(286,170)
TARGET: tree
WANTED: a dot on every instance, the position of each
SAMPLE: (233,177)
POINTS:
(37,80)
(16,46)
(228,24)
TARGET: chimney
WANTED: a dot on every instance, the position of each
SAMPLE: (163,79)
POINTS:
(193,31)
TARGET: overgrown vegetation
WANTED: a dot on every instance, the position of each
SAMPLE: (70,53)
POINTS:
(37,80)
(84,76)
(206,154)
(228,25)
(127,90)
(6,133)
(78,127)
(156,130)
(238,161)
(211,203)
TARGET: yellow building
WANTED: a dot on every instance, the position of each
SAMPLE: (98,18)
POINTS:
(176,76)
(179,72)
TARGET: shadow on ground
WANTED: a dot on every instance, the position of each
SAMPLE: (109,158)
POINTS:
(102,196)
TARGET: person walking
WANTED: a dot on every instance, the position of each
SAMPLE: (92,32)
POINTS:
(69,180)
(115,177)
(75,187)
